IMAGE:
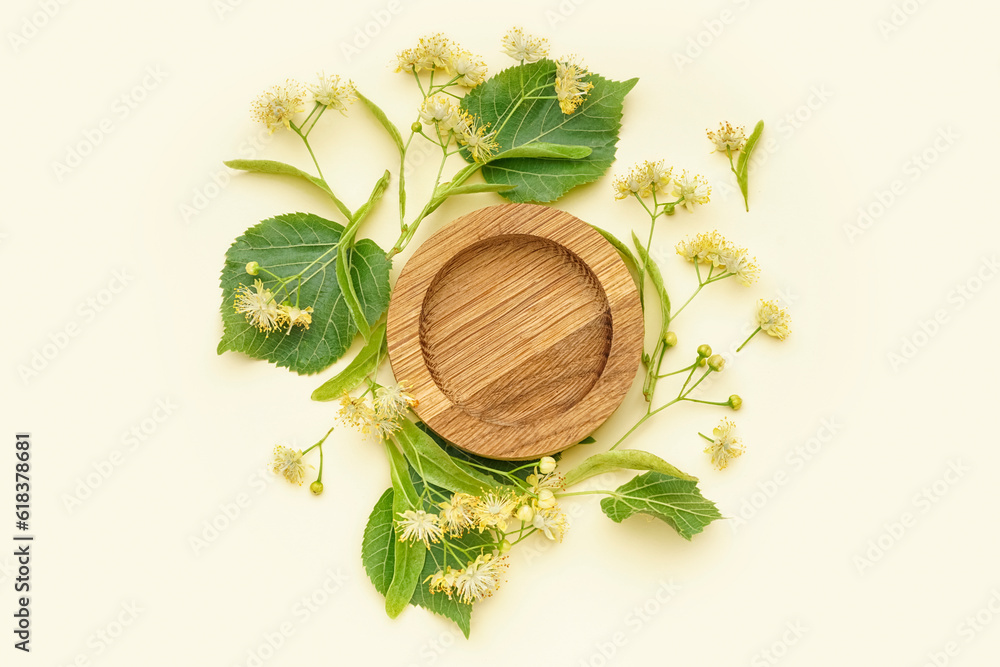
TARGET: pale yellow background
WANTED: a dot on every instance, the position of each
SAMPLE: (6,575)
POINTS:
(848,103)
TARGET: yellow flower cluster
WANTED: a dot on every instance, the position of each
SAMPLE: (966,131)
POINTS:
(523,47)
(437,52)
(726,445)
(288,463)
(473,134)
(773,320)
(276,107)
(381,417)
(713,248)
(474,582)
(571,89)
(258,305)
(333,93)
(727,138)
(644,179)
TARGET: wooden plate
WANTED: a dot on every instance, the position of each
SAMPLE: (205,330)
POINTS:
(518,329)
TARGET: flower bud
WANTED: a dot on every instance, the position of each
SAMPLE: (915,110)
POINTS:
(505,546)
(716,362)
(546,465)
(316,488)
(525,513)
(701,361)
(253,268)
(670,339)
(704,350)
(416,127)
(546,499)
(735,402)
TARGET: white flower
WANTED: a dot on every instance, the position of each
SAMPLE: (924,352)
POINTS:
(727,137)
(738,262)
(458,514)
(773,320)
(276,107)
(479,579)
(418,525)
(288,463)
(551,522)
(296,316)
(473,135)
(726,446)
(258,305)
(332,93)
(522,47)
(442,110)
(494,510)
(470,69)
(393,400)
(692,189)
(434,51)
(546,465)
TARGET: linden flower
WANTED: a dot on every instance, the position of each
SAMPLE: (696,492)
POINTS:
(258,305)
(408,60)
(276,107)
(644,179)
(473,135)
(726,446)
(435,51)
(692,190)
(440,110)
(545,482)
(419,526)
(727,138)
(570,86)
(773,320)
(706,247)
(738,262)
(458,514)
(332,93)
(524,48)
(470,69)
(443,581)
(479,579)
(357,413)
(296,316)
(494,511)
(552,522)
(393,400)
(288,463)
(383,425)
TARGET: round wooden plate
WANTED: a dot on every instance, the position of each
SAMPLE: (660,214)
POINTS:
(517,328)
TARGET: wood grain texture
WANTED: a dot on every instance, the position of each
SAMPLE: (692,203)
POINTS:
(519,330)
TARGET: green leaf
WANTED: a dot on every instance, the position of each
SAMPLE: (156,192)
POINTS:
(286,245)
(356,371)
(678,502)
(389,126)
(743,161)
(632,459)
(631,263)
(589,440)
(474,464)
(378,554)
(435,465)
(471,189)
(377,550)
(283,169)
(543,149)
(654,274)
(408,558)
(594,125)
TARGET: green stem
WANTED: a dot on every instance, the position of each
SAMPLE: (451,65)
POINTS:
(321,441)
(755,332)
(706,437)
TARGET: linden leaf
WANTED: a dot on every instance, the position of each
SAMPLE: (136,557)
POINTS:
(355,372)
(633,459)
(594,124)
(288,244)
(678,502)
(743,161)
(377,553)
